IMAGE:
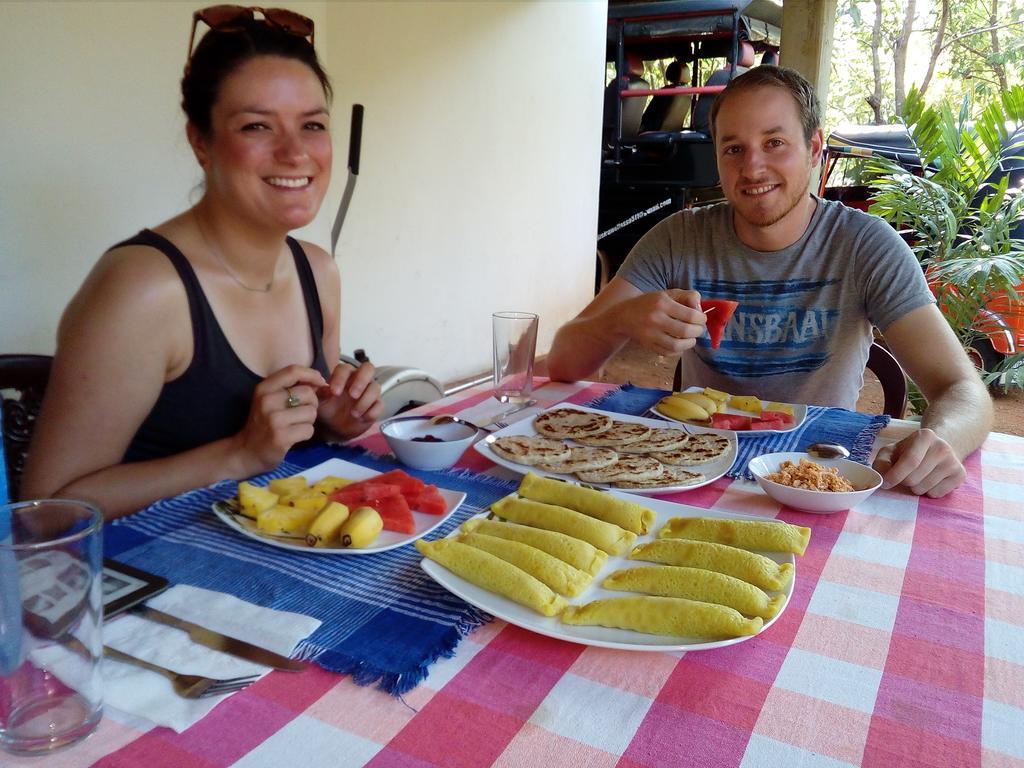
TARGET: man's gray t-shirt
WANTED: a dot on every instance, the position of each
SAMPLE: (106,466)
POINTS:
(802,330)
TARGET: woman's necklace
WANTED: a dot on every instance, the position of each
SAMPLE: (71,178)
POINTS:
(224,264)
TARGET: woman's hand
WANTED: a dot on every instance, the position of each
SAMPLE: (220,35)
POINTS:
(350,403)
(283,412)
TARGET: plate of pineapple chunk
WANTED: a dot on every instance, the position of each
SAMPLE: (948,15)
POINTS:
(744,414)
(338,508)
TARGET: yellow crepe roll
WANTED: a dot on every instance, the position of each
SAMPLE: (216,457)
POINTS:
(664,616)
(625,514)
(561,577)
(493,574)
(757,569)
(605,536)
(767,535)
(576,552)
(696,584)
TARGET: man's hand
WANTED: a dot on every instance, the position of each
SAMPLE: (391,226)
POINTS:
(667,322)
(923,462)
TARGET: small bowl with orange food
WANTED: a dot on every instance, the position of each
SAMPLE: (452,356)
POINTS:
(811,484)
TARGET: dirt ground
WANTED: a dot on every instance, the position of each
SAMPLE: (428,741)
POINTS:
(640,367)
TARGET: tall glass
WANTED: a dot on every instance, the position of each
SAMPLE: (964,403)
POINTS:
(515,342)
(51,612)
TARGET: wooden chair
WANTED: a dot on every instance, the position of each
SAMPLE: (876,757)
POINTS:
(892,378)
(880,362)
(23,381)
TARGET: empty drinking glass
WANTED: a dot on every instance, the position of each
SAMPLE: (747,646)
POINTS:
(51,562)
(515,341)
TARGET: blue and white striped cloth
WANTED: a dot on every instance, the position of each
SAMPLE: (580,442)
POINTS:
(384,620)
(856,431)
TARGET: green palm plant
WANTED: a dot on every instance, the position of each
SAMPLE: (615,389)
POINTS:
(960,224)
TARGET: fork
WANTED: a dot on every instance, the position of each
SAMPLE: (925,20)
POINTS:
(188,686)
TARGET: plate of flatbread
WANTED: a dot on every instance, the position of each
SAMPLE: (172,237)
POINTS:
(612,450)
(601,585)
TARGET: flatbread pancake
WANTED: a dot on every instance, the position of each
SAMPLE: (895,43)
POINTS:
(530,450)
(626,468)
(568,422)
(700,449)
(621,433)
(658,440)
(582,459)
(670,476)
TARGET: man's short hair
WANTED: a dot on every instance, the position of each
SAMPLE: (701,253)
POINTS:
(768,76)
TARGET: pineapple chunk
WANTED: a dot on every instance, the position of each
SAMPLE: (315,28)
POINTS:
(781,407)
(717,395)
(330,484)
(289,521)
(254,499)
(288,486)
(306,499)
(748,403)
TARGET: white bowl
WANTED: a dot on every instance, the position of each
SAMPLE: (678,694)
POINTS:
(863,478)
(400,432)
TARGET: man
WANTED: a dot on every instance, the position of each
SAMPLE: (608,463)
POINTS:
(811,278)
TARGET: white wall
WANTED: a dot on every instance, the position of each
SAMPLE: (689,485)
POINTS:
(478,182)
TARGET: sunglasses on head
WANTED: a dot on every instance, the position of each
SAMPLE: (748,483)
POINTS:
(224,18)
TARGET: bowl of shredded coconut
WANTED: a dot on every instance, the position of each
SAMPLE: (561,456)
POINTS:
(818,485)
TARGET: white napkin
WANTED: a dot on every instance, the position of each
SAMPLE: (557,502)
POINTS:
(146,694)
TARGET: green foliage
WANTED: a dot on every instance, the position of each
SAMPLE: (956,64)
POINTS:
(959,222)
(969,62)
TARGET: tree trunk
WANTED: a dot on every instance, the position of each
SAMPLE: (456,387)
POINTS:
(997,66)
(940,33)
(875,99)
(900,55)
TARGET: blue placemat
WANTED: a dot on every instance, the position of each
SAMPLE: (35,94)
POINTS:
(384,620)
(856,431)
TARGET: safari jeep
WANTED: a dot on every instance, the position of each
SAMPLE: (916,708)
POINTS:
(657,155)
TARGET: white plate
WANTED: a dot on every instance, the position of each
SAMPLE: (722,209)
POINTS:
(624,639)
(387,539)
(711,471)
(799,414)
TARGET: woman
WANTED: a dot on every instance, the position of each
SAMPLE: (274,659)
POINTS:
(198,350)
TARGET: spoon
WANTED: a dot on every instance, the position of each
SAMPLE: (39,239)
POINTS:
(828,451)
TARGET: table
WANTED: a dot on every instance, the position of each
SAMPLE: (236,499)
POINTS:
(902,645)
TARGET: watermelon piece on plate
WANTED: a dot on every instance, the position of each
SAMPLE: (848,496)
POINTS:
(719,312)
(430,501)
(395,512)
(363,492)
(732,421)
(763,423)
(411,486)
(787,419)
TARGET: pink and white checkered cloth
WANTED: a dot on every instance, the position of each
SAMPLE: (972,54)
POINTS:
(903,645)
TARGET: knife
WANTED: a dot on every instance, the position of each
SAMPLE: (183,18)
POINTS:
(219,642)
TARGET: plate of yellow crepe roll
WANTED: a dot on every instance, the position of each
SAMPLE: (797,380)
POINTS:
(611,569)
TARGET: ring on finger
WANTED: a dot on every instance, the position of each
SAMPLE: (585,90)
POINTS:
(293,401)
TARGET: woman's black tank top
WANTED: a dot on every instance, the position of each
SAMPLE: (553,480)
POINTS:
(211,399)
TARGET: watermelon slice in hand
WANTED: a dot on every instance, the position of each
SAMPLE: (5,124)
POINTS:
(719,312)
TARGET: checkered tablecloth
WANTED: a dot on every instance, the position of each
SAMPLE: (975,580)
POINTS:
(902,646)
